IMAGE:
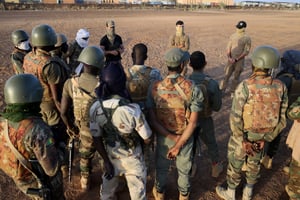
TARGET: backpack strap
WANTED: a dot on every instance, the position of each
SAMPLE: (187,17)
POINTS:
(75,83)
(180,91)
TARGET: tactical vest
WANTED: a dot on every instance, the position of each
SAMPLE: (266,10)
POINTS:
(172,109)
(138,84)
(34,64)
(262,109)
(207,111)
(17,58)
(82,100)
(112,134)
(9,162)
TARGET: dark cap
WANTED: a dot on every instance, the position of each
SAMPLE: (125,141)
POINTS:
(241,24)
(175,56)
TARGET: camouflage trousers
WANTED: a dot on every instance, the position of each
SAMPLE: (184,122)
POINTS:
(294,180)
(236,69)
(183,164)
(86,148)
(130,164)
(206,132)
(236,158)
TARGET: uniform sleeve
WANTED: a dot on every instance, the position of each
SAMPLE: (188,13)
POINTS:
(186,43)
(282,120)
(150,101)
(155,75)
(52,73)
(17,63)
(236,114)
(67,89)
(44,149)
(247,45)
(294,110)
(215,95)
(197,99)
(172,41)
(130,117)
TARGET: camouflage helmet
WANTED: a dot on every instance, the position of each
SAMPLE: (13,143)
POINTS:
(43,35)
(265,57)
(19,36)
(22,88)
(92,55)
(61,38)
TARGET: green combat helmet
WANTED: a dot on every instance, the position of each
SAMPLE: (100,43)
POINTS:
(265,57)
(43,35)
(19,36)
(22,88)
(92,55)
(61,39)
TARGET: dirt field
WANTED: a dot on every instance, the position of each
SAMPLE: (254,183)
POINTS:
(209,32)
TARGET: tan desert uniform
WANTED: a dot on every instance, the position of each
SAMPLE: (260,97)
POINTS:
(81,105)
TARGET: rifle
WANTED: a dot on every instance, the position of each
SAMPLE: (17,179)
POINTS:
(71,150)
(45,191)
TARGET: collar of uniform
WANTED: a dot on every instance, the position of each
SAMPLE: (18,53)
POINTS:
(41,51)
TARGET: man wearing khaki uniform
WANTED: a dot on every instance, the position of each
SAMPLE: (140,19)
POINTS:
(238,48)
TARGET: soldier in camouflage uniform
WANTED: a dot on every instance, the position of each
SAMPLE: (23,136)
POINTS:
(257,115)
(174,104)
(75,47)
(24,137)
(22,46)
(80,91)
(293,141)
(118,127)
(139,78)
(47,69)
(212,102)
(180,39)
(238,48)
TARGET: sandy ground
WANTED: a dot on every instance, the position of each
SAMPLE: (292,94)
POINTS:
(209,31)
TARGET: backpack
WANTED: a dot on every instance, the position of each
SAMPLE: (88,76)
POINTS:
(207,111)
(261,112)
(82,100)
(138,84)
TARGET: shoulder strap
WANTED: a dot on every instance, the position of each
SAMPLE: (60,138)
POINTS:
(26,164)
(76,84)
(180,91)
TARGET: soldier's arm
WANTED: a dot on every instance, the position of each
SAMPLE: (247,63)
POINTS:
(236,114)
(282,120)
(216,96)
(66,100)
(294,110)
(17,64)
(44,149)
(186,44)
(172,41)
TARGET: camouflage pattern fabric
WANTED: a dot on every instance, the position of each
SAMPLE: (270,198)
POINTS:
(294,110)
(17,59)
(73,53)
(264,96)
(170,103)
(34,140)
(294,180)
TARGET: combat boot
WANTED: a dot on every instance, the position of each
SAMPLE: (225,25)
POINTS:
(186,197)
(216,169)
(247,192)
(157,195)
(266,161)
(228,194)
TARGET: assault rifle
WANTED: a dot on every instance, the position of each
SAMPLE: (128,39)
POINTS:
(45,191)
(71,150)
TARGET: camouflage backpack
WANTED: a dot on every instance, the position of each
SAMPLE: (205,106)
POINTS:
(262,109)
(207,111)
(82,100)
(138,84)
(172,99)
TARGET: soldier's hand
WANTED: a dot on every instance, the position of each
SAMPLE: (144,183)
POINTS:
(258,146)
(247,147)
(172,153)
(109,170)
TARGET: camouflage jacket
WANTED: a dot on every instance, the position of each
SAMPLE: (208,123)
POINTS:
(17,59)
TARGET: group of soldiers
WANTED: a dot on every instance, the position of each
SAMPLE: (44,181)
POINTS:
(66,91)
